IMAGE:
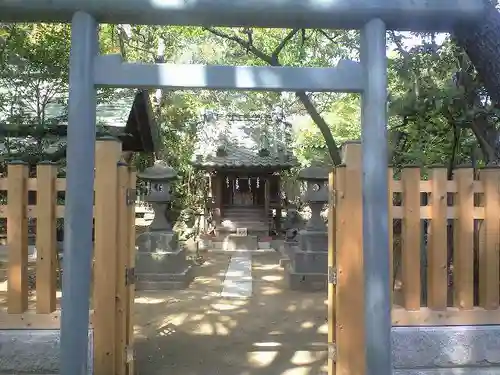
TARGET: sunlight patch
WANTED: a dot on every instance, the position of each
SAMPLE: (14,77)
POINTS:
(323,329)
(261,359)
(151,300)
(307,325)
(272,278)
(306,357)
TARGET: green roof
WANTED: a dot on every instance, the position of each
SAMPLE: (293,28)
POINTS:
(236,156)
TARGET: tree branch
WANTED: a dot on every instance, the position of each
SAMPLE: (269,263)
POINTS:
(301,95)
(283,43)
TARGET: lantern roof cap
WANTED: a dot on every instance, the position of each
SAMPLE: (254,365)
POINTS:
(160,171)
(314,173)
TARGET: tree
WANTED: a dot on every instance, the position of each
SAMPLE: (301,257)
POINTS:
(246,40)
(481,43)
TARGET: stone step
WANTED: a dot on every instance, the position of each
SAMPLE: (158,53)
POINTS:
(250,217)
(255,225)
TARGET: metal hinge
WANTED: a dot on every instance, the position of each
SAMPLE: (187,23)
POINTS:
(131,196)
(129,276)
(129,354)
(334,198)
(332,351)
(332,275)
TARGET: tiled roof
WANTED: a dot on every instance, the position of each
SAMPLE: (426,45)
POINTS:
(241,140)
(240,156)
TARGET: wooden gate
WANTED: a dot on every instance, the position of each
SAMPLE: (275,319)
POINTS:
(112,301)
(345,261)
(114,261)
(445,274)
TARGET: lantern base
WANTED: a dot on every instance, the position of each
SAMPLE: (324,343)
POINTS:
(164,281)
(161,262)
(305,282)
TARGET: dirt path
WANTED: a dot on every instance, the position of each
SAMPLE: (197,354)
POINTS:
(196,332)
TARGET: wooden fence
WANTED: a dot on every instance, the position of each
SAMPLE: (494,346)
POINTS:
(445,241)
(114,253)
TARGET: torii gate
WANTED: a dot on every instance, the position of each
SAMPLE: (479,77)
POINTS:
(88,70)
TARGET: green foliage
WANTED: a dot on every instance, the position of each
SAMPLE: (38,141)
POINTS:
(438,109)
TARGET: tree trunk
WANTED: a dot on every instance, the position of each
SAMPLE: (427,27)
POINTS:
(481,42)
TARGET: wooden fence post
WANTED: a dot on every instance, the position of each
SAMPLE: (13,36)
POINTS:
(350,278)
(411,235)
(463,248)
(390,226)
(331,267)
(132,180)
(108,153)
(17,237)
(437,248)
(123,239)
(46,245)
(489,272)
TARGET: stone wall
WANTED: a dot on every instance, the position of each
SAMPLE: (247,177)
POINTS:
(447,350)
(33,351)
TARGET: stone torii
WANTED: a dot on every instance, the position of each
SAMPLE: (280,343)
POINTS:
(88,70)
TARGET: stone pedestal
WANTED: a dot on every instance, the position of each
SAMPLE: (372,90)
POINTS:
(161,262)
(235,242)
(307,268)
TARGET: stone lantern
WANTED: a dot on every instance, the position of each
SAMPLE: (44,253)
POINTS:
(159,177)
(316,195)
(308,266)
(161,261)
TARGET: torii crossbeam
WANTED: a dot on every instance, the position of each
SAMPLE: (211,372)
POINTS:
(416,15)
(369,77)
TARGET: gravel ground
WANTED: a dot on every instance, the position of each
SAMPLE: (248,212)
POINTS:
(195,332)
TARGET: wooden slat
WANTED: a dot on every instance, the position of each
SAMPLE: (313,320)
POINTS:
(106,185)
(32,184)
(390,176)
(451,212)
(331,264)
(489,275)
(131,288)
(437,272)
(396,185)
(452,316)
(426,186)
(17,238)
(46,245)
(397,212)
(350,283)
(123,239)
(31,320)
(463,257)
(410,250)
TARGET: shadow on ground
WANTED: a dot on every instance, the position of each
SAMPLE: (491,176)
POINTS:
(195,332)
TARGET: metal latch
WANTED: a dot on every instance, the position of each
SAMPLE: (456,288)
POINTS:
(129,354)
(332,275)
(332,351)
(333,198)
(129,276)
(131,196)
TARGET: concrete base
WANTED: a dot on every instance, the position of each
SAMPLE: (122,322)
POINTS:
(460,350)
(418,348)
(306,282)
(164,281)
(451,371)
(234,242)
(34,351)
(249,243)
(309,262)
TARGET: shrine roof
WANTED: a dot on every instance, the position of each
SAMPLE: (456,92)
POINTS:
(126,114)
(234,156)
(241,144)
